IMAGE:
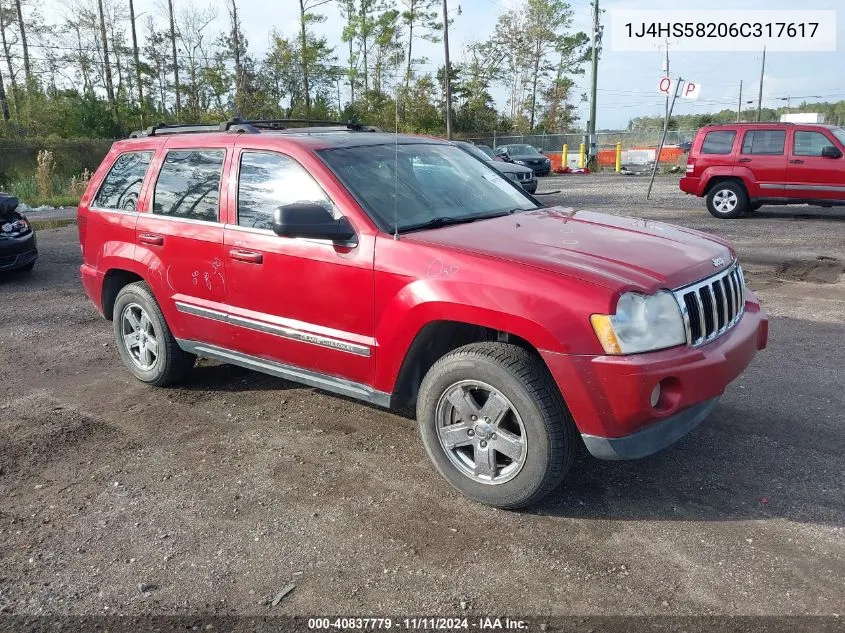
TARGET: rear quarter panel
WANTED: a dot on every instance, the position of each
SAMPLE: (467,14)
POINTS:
(107,236)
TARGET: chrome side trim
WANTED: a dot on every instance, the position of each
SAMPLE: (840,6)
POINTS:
(277,330)
(288,372)
(794,187)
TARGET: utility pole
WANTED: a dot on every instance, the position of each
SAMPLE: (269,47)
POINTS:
(175,61)
(591,125)
(448,80)
(739,103)
(137,62)
(760,94)
(666,74)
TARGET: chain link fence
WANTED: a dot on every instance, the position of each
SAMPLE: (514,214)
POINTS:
(605,140)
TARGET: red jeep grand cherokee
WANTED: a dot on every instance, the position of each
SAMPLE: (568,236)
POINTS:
(741,166)
(401,270)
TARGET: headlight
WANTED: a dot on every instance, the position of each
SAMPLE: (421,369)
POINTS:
(511,175)
(519,162)
(642,323)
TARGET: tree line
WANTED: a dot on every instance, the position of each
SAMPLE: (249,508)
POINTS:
(834,114)
(104,70)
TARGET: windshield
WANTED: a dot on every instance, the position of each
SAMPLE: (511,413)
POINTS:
(839,133)
(476,151)
(521,150)
(487,151)
(423,183)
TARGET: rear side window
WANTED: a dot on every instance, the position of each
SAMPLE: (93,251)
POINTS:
(718,142)
(268,181)
(122,185)
(764,142)
(188,184)
(810,143)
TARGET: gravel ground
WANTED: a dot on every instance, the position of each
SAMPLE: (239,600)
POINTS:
(210,498)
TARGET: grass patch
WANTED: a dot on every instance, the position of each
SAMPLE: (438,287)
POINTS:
(40,225)
(62,195)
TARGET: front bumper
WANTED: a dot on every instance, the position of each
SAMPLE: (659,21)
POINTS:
(609,397)
(17,252)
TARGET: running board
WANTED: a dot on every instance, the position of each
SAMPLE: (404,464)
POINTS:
(296,374)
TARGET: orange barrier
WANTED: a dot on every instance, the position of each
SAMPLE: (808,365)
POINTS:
(607,157)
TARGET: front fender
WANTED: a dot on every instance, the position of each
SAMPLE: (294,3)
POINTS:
(535,314)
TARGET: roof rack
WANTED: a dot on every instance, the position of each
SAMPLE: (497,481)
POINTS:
(752,123)
(250,127)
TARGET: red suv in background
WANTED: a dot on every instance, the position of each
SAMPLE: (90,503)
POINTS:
(402,271)
(742,166)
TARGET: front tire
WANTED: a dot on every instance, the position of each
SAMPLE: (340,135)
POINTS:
(494,424)
(727,199)
(144,341)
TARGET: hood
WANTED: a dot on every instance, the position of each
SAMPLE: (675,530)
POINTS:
(510,168)
(615,252)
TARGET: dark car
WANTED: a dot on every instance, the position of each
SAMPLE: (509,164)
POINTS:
(523,175)
(17,238)
(526,155)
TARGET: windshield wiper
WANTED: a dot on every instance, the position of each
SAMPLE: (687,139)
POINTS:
(436,223)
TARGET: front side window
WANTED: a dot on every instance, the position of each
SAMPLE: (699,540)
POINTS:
(718,142)
(769,142)
(810,143)
(269,181)
(188,184)
(408,185)
(122,185)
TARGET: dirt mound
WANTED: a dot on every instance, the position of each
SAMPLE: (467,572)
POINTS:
(821,270)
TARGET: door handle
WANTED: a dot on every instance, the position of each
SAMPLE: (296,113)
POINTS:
(744,160)
(797,161)
(151,238)
(250,257)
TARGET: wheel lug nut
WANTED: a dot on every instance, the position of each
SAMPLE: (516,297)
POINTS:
(483,444)
(470,432)
(473,417)
(493,437)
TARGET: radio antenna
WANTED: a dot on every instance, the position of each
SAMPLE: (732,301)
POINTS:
(396,168)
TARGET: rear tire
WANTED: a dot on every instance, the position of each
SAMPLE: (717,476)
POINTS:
(727,199)
(144,341)
(522,439)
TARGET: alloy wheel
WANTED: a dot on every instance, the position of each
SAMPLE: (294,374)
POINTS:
(725,201)
(139,336)
(481,432)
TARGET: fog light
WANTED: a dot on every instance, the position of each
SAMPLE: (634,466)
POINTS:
(655,395)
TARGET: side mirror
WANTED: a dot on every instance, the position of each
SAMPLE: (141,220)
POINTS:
(829,151)
(310,220)
(539,151)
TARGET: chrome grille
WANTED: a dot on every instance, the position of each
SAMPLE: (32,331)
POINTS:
(713,306)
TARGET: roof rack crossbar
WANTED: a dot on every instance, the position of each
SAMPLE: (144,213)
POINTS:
(241,126)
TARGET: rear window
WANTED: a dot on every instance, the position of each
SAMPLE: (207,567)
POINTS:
(764,142)
(122,185)
(188,184)
(718,142)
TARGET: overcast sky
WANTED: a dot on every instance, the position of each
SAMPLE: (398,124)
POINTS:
(627,81)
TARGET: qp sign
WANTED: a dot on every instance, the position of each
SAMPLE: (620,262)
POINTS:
(691,90)
(666,86)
